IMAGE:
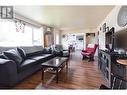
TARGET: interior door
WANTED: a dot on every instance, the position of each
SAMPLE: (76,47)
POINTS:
(46,40)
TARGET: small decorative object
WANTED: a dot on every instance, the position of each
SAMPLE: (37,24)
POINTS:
(107,29)
(104,27)
(48,29)
(122,16)
(65,37)
(100,28)
(19,26)
(98,32)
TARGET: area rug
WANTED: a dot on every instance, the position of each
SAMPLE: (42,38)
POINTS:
(50,83)
(35,82)
(44,85)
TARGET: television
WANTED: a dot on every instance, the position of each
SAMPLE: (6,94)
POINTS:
(120,40)
(110,39)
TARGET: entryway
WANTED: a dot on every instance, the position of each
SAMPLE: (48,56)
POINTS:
(74,40)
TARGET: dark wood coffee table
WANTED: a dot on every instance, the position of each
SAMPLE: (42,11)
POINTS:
(54,66)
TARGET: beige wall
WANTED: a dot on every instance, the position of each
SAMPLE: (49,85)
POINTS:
(111,21)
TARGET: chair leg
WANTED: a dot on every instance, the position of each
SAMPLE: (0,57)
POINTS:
(83,57)
(91,58)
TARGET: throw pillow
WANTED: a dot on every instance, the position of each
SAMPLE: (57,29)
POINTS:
(3,56)
(14,55)
(22,53)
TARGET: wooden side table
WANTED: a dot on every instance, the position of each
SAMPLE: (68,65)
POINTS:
(122,62)
(123,65)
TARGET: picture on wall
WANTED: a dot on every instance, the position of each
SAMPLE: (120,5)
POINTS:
(104,27)
(90,38)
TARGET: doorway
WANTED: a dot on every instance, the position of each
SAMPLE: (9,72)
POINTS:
(79,42)
(76,41)
(48,39)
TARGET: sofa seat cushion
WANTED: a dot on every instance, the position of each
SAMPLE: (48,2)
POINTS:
(47,55)
(38,57)
(86,53)
(13,54)
(43,57)
(28,63)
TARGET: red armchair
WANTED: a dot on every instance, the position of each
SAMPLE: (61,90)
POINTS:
(89,52)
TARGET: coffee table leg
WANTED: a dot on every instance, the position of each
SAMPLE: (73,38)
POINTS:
(57,75)
(66,65)
(42,74)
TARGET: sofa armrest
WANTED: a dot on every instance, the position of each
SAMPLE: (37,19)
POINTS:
(84,51)
(8,73)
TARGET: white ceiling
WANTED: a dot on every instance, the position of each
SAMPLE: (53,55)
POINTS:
(66,17)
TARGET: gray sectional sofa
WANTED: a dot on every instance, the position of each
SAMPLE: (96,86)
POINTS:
(18,63)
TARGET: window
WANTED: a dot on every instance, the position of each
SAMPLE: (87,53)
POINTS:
(25,38)
(9,36)
(37,36)
(57,38)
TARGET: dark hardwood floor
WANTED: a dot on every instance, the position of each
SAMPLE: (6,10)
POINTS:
(81,75)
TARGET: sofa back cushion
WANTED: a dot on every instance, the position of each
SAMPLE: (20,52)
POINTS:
(32,49)
(13,54)
(37,53)
(46,51)
(22,53)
